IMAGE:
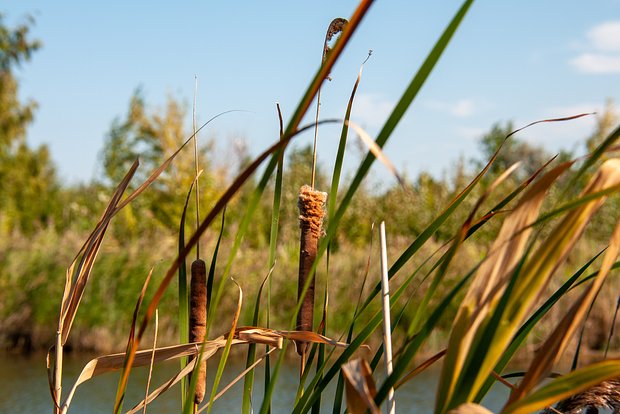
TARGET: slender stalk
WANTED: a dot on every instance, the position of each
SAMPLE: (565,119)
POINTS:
(58,372)
(196,164)
(316,136)
(387,329)
(198,315)
(334,28)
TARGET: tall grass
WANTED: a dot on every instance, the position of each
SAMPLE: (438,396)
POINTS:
(494,305)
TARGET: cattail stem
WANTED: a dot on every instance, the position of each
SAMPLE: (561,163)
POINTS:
(197,193)
(198,320)
(311,212)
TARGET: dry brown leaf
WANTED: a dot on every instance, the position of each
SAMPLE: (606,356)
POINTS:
(75,283)
(360,386)
(114,362)
(273,337)
(259,337)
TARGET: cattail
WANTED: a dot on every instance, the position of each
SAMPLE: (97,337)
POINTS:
(198,319)
(604,395)
(311,212)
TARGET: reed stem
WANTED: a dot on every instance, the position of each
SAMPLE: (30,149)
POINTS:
(58,372)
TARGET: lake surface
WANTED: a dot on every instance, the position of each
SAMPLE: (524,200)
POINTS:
(23,386)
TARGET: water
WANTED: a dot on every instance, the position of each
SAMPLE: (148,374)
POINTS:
(23,386)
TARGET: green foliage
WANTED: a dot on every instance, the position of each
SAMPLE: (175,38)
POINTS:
(28,185)
(29,190)
(152,136)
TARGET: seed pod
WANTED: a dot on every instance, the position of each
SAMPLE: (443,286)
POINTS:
(311,211)
(198,319)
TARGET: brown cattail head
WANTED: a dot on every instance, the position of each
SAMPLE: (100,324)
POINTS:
(604,395)
(311,205)
(198,319)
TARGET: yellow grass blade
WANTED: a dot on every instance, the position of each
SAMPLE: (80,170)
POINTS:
(608,175)
(489,283)
(473,351)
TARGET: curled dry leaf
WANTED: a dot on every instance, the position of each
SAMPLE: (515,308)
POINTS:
(335,28)
(360,385)
(272,336)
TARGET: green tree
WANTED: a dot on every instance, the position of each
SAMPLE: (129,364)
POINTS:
(152,136)
(28,184)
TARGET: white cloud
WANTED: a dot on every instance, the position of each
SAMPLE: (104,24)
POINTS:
(371,110)
(462,108)
(471,133)
(606,36)
(603,50)
(597,63)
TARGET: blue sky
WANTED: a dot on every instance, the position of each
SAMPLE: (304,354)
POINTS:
(521,60)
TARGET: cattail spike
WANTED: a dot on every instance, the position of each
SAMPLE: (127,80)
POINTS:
(198,319)
(311,205)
